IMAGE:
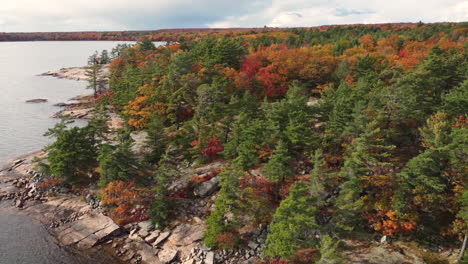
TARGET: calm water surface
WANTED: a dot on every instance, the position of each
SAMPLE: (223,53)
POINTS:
(22,125)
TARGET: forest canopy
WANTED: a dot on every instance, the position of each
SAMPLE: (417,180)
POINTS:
(348,129)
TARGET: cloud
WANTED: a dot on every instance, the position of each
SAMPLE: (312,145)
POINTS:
(89,15)
(294,13)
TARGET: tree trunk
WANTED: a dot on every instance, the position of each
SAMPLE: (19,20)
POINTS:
(462,251)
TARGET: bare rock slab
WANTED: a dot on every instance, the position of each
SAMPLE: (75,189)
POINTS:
(167,255)
(87,231)
(163,236)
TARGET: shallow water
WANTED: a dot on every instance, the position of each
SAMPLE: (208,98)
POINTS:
(25,241)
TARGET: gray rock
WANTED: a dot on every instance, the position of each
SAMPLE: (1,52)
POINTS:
(253,245)
(383,240)
(147,253)
(146,226)
(152,236)
(167,255)
(186,234)
(163,236)
(143,233)
(39,100)
(87,230)
(209,259)
(207,188)
(19,203)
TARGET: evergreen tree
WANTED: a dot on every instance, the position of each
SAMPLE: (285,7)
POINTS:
(226,52)
(293,224)
(73,154)
(316,185)
(227,202)
(155,139)
(455,102)
(161,206)
(328,253)
(117,162)
(250,140)
(366,157)
(278,167)
(94,76)
(439,72)
(104,58)
(146,45)
(342,110)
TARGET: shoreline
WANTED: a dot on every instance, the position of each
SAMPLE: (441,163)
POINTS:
(77,73)
(61,215)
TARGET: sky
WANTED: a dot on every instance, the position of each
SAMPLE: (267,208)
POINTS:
(114,15)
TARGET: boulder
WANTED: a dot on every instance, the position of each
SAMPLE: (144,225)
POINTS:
(209,259)
(167,255)
(147,253)
(152,237)
(207,188)
(19,203)
(253,245)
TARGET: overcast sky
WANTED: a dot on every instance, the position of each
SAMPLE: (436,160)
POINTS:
(90,15)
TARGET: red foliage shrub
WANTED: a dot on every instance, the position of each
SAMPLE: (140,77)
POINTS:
(49,183)
(213,148)
(261,186)
(305,256)
(388,223)
(127,203)
(182,194)
(227,240)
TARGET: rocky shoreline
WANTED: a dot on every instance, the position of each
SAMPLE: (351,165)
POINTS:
(82,108)
(77,73)
(81,223)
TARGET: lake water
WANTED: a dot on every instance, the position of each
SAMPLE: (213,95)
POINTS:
(22,125)
(25,241)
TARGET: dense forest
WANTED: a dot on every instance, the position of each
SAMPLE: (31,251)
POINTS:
(325,133)
(175,34)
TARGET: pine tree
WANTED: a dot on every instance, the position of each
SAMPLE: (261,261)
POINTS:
(155,139)
(328,253)
(161,206)
(293,224)
(117,162)
(248,145)
(73,154)
(365,157)
(429,180)
(94,76)
(278,167)
(104,59)
(316,185)
(341,114)
(226,202)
